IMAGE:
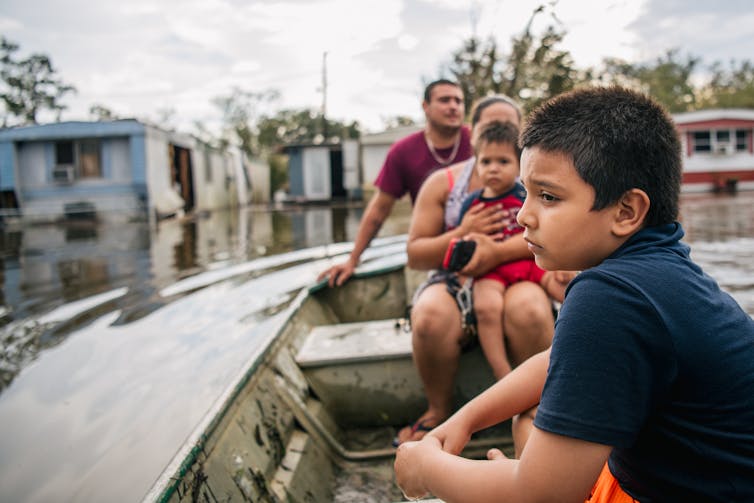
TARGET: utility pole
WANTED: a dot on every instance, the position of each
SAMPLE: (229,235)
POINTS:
(324,96)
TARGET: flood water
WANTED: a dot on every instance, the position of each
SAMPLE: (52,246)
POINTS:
(116,340)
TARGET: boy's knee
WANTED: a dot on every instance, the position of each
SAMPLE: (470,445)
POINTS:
(488,305)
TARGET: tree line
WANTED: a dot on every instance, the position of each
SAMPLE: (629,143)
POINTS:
(533,70)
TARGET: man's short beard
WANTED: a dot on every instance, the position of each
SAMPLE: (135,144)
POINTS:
(446,131)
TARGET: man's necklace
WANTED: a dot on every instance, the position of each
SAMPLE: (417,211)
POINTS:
(440,160)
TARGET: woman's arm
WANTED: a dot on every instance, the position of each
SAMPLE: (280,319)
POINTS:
(427,240)
(490,253)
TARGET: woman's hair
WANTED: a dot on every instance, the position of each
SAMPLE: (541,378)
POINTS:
(482,103)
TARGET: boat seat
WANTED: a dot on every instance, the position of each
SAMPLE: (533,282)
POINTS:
(362,372)
(347,343)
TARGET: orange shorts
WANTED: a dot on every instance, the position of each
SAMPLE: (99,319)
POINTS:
(607,490)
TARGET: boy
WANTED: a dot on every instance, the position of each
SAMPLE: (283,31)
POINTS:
(647,392)
(497,163)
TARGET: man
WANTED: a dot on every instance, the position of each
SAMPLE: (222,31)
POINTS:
(443,141)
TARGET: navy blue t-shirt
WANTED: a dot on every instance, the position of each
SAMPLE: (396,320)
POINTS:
(651,357)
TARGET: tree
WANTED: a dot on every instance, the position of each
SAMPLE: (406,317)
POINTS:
(534,71)
(397,121)
(240,112)
(101,113)
(29,85)
(302,126)
(729,88)
(668,79)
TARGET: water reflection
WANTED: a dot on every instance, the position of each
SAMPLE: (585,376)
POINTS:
(116,340)
(47,266)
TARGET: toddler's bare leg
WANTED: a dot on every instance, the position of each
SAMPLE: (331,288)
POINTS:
(489,307)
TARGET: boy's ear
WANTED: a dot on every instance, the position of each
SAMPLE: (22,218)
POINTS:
(630,212)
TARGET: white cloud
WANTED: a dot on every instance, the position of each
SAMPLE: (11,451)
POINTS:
(139,56)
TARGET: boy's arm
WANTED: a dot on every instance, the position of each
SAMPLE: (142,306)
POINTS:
(552,468)
(515,393)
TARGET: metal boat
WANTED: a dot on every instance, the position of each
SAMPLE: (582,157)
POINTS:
(312,416)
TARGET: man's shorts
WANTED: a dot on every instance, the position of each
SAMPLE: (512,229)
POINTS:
(607,490)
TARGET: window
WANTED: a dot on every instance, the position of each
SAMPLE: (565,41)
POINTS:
(77,159)
(742,143)
(64,152)
(702,141)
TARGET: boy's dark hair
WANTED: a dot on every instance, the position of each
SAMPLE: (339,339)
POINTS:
(435,83)
(498,132)
(618,140)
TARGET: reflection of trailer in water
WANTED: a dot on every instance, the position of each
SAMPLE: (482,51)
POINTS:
(717,149)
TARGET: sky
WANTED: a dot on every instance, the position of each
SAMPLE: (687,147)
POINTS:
(143,58)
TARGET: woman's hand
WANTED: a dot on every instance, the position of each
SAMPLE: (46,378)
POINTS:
(490,220)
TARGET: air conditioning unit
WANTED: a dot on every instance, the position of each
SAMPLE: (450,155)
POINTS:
(723,148)
(63,174)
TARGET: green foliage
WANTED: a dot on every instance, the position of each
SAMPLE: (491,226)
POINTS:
(29,85)
(667,79)
(101,113)
(302,126)
(240,112)
(729,88)
(534,71)
(398,121)
(278,171)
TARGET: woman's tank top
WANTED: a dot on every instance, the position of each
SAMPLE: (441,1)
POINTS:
(458,192)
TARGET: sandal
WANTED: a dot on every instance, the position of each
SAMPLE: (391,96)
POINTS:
(419,426)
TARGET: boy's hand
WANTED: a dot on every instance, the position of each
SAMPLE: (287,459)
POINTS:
(453,436)
(409,459)
(490,220)
(564,277)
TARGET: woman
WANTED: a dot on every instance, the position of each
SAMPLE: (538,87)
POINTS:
(440,329)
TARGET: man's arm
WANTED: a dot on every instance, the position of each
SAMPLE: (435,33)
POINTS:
(377,211)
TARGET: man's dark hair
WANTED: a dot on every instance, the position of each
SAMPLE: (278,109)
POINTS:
(435,83)
(618,140)
(498,132)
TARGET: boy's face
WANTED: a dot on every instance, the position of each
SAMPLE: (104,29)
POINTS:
(562,230)
(497,164)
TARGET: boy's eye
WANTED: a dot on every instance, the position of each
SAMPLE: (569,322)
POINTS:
(548,197)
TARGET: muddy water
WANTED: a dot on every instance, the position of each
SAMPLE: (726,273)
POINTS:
(116,340)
